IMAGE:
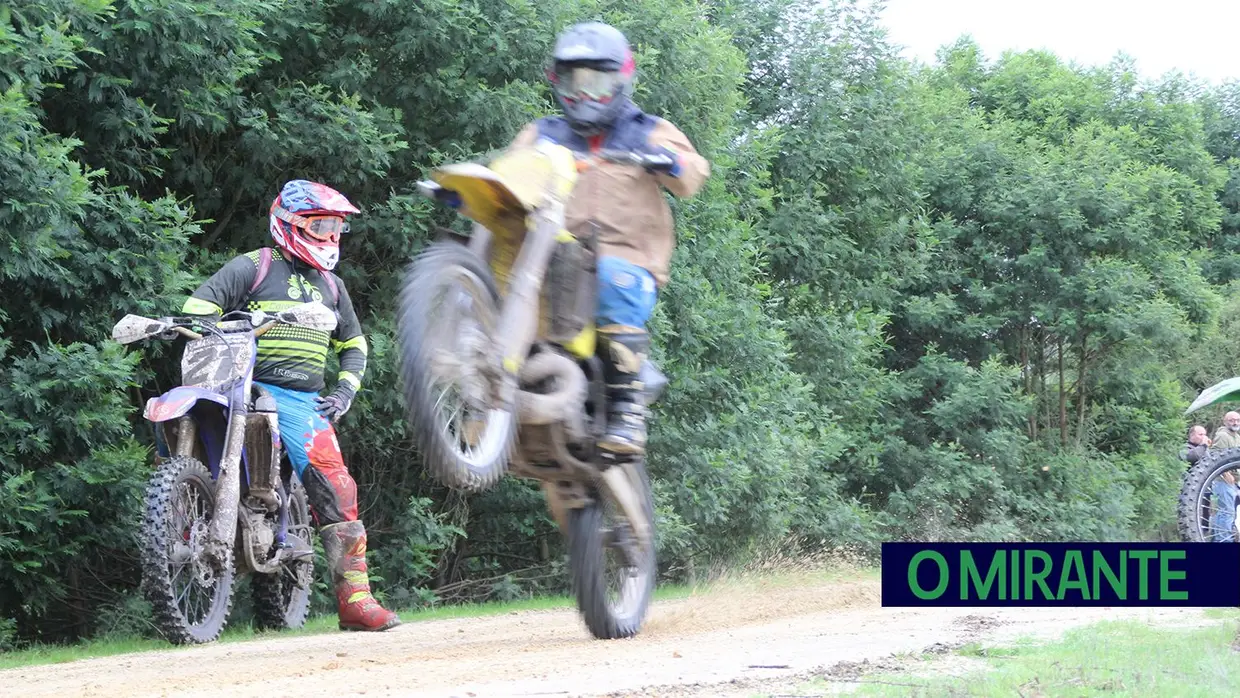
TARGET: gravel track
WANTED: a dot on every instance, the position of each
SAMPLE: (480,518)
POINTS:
(731,639)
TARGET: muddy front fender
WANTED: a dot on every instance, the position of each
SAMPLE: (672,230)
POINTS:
(625,485)
(179,401)
(1224,391)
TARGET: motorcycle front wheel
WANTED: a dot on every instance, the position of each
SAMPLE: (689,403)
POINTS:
(447,324)
(190,596)
(1209,504)
(613,573)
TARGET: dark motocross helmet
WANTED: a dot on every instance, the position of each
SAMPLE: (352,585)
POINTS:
(592,72)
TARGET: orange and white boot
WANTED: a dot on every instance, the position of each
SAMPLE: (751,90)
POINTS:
(345,546)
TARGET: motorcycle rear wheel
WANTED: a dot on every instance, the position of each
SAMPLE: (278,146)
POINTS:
(470,453)
(613,602)
(1199,511)
(190,597)
(279,603)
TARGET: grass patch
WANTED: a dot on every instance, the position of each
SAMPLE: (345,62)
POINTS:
(1128,658)
(104,647)
(1222,613)
(317,625)
(58,654)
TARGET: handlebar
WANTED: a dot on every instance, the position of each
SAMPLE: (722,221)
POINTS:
(259,320)
(174,324)
(627,157)
(133,328)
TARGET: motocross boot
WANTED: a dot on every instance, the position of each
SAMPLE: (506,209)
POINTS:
(345,547)
(622,349)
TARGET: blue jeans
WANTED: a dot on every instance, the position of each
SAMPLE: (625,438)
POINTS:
(626,293)
(1224,520)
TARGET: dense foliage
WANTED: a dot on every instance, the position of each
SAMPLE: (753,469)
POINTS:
(968,300)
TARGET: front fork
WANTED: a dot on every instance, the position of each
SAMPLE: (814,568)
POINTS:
(519,318)
(621,484)
(222,531)
(186,437)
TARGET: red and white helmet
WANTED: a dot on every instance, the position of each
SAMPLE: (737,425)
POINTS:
(307,220)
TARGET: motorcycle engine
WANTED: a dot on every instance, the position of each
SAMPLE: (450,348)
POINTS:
(261,537)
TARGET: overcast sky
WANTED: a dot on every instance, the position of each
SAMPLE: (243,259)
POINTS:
(1200,37)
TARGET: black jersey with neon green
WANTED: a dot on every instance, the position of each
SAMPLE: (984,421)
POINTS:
(288,356)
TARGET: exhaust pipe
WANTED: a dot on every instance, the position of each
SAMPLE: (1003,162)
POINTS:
(565,403)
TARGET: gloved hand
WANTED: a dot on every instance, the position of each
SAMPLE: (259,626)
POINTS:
(337,403)
(663,161)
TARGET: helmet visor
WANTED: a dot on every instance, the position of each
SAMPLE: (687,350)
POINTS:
(326,228)
(579,82)
(322,228)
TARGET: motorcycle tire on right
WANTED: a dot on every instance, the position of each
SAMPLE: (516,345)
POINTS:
(282,600)
(447,322)
(1201,514)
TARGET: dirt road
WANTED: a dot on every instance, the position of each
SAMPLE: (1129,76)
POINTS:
(726,641)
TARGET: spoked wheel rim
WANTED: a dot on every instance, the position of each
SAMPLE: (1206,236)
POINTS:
(1217,505)
(461,322)
(196,585)
(295,578)
(626,567)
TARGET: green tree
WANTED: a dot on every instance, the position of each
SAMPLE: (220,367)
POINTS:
(78,255)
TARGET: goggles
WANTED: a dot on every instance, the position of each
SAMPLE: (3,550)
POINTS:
(322,228)
(576,82)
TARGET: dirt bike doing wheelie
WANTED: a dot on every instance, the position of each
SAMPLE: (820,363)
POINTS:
(1209,506)
(499,369)
(222,500)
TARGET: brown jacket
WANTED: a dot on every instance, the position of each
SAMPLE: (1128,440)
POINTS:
(634,219)
(1225,438)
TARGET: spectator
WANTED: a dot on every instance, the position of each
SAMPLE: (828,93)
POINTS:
(1197,445)
(1228,435)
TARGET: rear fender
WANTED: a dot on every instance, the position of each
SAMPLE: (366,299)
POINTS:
(179,401)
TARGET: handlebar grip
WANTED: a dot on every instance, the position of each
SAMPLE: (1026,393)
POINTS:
(657,161)
(262,329)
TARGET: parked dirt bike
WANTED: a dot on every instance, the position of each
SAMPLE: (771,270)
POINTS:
(499,369)
(222,500)
(1209,506)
